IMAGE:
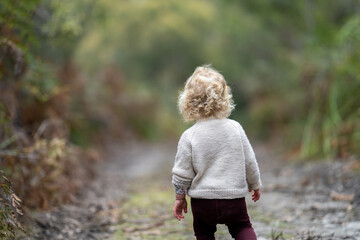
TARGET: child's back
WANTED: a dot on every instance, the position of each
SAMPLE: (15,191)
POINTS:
(221,159)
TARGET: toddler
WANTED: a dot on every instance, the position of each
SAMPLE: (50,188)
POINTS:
(215,163)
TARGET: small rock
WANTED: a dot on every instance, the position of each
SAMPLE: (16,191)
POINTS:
(353,225)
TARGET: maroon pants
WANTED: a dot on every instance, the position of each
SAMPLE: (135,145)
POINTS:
(231,212)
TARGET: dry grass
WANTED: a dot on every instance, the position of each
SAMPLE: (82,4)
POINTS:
(47,172)
(9,209)
(309,236)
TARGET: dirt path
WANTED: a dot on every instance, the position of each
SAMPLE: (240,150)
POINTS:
(306,201)
(132,198)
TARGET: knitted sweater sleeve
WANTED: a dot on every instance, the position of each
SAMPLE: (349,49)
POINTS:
(183,172)
(251,165)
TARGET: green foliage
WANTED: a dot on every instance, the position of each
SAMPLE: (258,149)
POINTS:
(14,20)
(285,62)
(332,127)
(63,27)
(17,57)
(350,32)
(34,99)
(41,81)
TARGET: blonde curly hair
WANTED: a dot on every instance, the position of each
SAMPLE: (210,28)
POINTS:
(206,95)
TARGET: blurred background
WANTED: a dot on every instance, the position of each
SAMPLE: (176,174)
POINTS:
(74,74)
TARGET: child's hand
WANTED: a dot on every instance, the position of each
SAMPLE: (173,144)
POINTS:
(255,195)
(179,206)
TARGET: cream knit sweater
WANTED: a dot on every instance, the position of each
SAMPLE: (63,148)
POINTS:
(215,160)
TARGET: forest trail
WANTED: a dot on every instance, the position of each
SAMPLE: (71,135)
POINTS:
(132,198)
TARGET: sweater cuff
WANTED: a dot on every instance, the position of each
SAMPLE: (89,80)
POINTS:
(255,186)
(181,183)
(180,190)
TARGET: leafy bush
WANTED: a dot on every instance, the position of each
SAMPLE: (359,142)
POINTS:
(332,127)
(35,100)
(47,172)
